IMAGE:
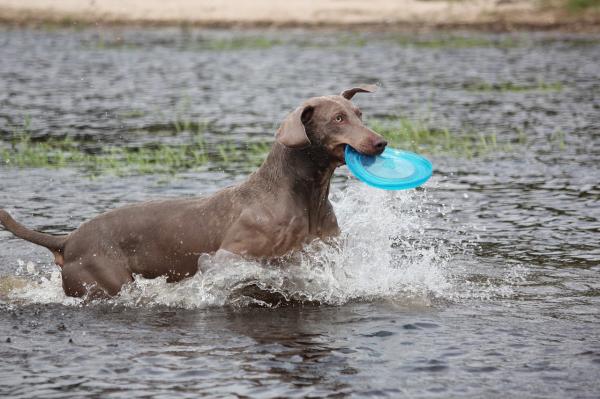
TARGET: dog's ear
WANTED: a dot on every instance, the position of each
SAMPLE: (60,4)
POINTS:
(292,133)
(348,94)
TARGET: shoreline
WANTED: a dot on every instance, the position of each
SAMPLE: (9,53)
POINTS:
(389,15)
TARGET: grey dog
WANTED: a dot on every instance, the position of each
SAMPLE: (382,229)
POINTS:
(277,209)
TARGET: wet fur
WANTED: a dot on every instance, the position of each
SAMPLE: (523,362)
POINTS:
(278,209)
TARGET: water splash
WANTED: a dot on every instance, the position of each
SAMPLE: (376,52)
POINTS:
(33,286)
(391,248)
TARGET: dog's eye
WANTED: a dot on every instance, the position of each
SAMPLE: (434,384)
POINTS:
(339,118)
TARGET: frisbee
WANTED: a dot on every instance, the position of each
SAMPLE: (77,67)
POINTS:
(392,170)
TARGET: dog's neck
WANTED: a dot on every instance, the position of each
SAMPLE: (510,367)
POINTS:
(306,172)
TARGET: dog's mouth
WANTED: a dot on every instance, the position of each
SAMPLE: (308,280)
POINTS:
(373,144)
(339,153)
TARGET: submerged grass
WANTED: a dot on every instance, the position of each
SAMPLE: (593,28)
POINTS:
(577,6)
(456,42)
(241,43)
(420,137)
(25,151)
(198,44)
(154,158)
(513,87)
(336,41)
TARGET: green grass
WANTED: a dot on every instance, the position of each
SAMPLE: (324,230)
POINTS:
(232,43)
(132,113)
(513,87)
(418,136)
(24,151)
(582,5)
(240,43)
(337,41)
(455,42)
(202,44)
(154,158)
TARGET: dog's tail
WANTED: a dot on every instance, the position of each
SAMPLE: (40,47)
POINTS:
(54,243)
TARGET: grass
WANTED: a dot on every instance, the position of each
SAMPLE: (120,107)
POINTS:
(24,151)
(418,136)
(456,42)
(154,158)
(577,6)
(132,113)
(240,43)
(513,87)
(345,40)
(200,44)
(232,43)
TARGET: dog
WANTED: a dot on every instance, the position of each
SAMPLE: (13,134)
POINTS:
(276,210)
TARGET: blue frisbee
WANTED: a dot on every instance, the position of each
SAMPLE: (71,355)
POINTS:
(392,170)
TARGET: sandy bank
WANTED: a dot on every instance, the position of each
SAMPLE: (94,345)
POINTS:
(500,14)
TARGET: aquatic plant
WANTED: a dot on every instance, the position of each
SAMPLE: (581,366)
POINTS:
(513,87)
(240,43)
(113,159)
(262,41)
(419,136)
(203,43)
(25,151)
(132,113)
(455,42)
(582,5)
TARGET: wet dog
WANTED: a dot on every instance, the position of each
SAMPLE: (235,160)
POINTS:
(279,208)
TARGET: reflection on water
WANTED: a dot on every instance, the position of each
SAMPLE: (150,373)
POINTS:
(484,284)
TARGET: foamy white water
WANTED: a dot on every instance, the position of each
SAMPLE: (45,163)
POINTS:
(386,251)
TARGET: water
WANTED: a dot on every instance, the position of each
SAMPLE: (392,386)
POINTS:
(485,284)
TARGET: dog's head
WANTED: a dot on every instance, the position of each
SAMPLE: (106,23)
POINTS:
(330,123)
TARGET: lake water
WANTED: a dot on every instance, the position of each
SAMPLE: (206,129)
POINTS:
(483,284)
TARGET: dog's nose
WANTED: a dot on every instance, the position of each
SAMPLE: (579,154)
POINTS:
(380,144)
